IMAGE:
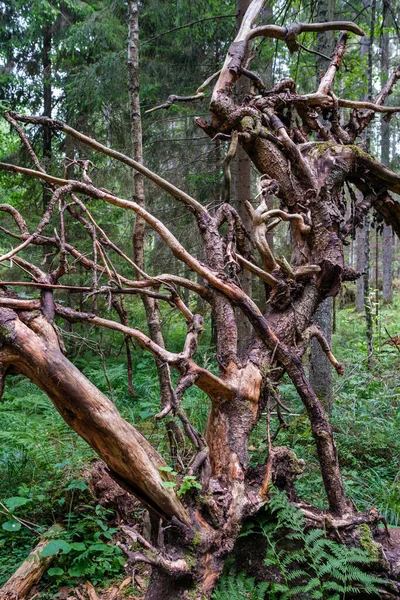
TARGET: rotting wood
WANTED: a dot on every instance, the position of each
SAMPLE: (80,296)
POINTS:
(31,570)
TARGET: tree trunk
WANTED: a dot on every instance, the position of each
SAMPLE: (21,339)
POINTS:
(86,410)
(320,367)
(387,258)
(367,299)
(30,571)
(47,104)
(139,231)
(243,185)
(360,266)
(387,235)
(367,46)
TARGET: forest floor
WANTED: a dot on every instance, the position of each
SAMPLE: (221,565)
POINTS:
(44,465)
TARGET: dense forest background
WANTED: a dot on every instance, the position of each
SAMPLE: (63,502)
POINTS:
(69,60)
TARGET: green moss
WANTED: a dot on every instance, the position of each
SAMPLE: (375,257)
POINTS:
(321,147)
(6,334)
(192,594)
(368,543)
(246,123)
(196,539)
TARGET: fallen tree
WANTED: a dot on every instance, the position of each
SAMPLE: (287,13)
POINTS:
(31,570)
(304,161)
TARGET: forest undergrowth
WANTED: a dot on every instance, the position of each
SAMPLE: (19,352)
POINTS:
(42,461)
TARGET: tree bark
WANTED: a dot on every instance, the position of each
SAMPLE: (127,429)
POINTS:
(139,231)
(30,571)
(360,266)
(34,349)
(320,367)
(367,265)
(47,104)
(243,186)
(387,235)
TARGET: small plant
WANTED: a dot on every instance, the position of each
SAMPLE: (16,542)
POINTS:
(82,547)
(85,549)
(189,482)
(310,566)
(235,587)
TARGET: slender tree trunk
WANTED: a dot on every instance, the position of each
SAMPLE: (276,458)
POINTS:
(320,368)
(243,186)
(47,104)
(367,267)
(387,259)
(387,235)
(360,266)
(320,375)
(376,278)
(367,299)
(150,304)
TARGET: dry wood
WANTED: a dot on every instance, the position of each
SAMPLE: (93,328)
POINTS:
(91,592)
(304,164)
(30,571)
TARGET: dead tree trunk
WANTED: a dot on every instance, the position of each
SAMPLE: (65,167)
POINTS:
(321,157)
(30,571)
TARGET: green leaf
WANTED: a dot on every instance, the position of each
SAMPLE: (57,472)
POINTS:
(54,571)
(168,484)
(79,570)
(11,526)
(15,502)
(54,547)
(77,485)
(78,546)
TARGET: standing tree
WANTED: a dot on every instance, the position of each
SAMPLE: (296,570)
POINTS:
(303,161)
(320,374)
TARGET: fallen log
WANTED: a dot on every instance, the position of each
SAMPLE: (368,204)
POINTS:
(31,570)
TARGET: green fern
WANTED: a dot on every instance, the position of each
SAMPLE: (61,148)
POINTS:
(316,567)
(238,586)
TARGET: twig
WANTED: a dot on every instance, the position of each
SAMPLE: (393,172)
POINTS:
(156,37)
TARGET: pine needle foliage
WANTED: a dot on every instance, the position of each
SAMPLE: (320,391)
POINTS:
(308,564)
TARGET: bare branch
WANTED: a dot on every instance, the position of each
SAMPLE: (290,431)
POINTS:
(156,37)
(198,95)
(226,165)
(284,216)
(327,80)
(209,383)
(44,221)
(163,183)
(314,331)
(20,221)
(154,557)
(291,32)
(263,275)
